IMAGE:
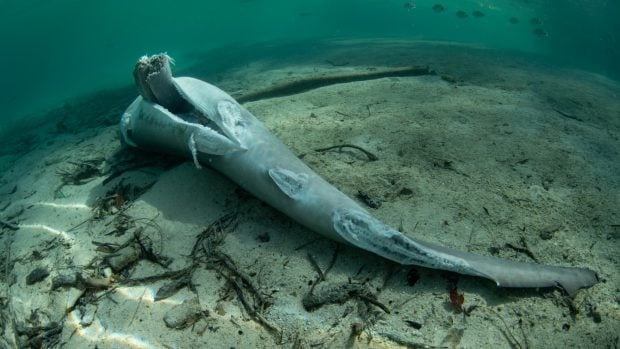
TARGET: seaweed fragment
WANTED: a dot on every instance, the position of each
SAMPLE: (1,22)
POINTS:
(78,173)
(456,299)
(81,172)
(118,198)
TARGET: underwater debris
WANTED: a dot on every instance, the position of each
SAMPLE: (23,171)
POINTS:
(371,156)
(340,293)
(299,86)
(478,14)
(413,323)
(456,299)
(148,250)
(522,249)
(540,32)
(79,173)
(123,257)
(461,14)
(118,199)
(75,279)
(206,248)
(140,246)
(505,330)
(514,20)
(8,225)
(66,280)
(438,8)
(46,336)
(171,288)
(122,223)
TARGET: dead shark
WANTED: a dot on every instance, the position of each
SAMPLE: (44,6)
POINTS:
(189,117)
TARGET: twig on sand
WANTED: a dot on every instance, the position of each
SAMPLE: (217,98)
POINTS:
(371,156)
(8,225)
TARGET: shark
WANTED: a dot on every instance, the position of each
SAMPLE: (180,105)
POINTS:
(192,118)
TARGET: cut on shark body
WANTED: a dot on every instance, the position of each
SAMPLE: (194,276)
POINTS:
(192,118)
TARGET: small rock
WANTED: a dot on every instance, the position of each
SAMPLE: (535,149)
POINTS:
(122,258)
(73,295)
(184,314)
(405,191)
(68,280)
(88,312)
(39,274)
(368,200)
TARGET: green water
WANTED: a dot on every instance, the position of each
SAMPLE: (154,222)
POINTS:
(55,50)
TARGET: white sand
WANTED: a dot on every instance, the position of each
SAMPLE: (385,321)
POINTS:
(513,153)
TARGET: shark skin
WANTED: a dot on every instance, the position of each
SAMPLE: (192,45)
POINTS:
(189,117)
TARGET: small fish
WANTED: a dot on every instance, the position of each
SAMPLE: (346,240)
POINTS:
(438,8)
(535,21)
(461,14)
(409,6)
(477,14)
(514,20)
(540,32)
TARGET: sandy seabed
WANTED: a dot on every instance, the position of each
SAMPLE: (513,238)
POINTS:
(491,153)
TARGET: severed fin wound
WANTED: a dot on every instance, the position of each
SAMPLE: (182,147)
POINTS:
(291,183)
(214,104)
(209,141)
(364,231)
(191,143)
